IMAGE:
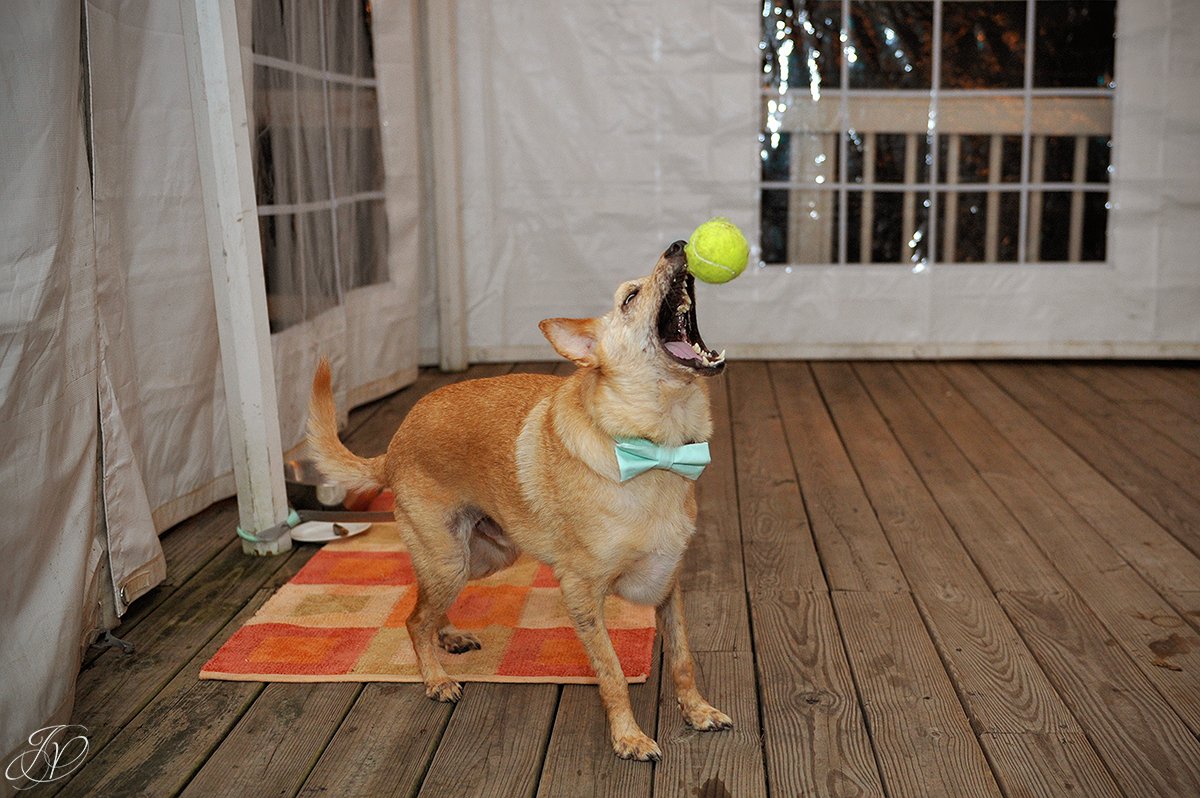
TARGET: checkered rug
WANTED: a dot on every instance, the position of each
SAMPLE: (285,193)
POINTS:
(341,619)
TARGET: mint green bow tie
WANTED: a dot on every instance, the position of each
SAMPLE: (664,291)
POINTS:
(638,455)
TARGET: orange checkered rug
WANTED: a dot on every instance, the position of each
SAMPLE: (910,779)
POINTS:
(341,619)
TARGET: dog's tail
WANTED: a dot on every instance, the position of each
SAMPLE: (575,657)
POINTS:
(333,459)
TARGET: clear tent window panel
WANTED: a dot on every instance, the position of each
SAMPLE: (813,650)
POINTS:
(318,158)
(936,131)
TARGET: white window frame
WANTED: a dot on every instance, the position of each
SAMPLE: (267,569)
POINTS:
(839,124)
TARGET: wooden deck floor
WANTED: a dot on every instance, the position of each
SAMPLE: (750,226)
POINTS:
(909,579)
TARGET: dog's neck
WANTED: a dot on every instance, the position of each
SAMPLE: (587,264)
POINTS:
(669,412)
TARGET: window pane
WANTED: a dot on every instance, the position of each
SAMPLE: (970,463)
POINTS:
(1060,159)
(270,29)
(349,48)
(774,209)
(274,137)
(776,157)
(983,45)
(968,158)
(1095,227)
(321,290)
(990,136)
(800,45)
(1075,43)
(1099,159)
(894,230)
(357,147)
(890,44)
(285,297)
(311,169)
(362,243)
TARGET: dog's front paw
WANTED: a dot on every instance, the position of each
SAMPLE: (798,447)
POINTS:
(457,642)
(637,746)
(704,717)
(447,690)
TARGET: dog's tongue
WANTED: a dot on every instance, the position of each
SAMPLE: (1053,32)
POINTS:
(682,350)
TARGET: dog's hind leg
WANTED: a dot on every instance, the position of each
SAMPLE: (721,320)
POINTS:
(490,551)
(698,713)
(441,563)
(454,640)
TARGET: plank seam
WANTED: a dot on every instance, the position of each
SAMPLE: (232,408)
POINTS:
(987,372)
(737,492)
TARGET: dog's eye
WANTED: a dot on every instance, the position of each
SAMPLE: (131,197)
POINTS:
(629,297)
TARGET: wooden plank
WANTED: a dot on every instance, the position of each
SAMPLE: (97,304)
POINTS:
(854,551)
(190,546)
(717,620)
(1134,400)
(579,757)
(275,743)
(111,691)
(922,739)
(724,763)
(495,741)
(1176,511)
(714,557)
(187,547)
(1138,618)
(536,367)
(1001,685)
(382,747)
(1185,374)
(776,539)
(156,752)
(1037,764)
(1158,450)
(1148,750)
(1007,557)
(815,736)
(359,415)
(1165,385)
(1170,567)
(924,544)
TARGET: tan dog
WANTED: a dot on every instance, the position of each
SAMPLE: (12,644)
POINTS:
(484,468)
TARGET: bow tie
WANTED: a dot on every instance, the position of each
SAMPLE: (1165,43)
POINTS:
(638,455)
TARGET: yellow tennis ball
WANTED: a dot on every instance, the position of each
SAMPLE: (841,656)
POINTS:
(717,251)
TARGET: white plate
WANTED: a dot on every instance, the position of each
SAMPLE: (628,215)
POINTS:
(322,531)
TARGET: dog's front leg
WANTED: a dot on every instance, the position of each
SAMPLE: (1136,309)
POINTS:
(585,605)
(697,712)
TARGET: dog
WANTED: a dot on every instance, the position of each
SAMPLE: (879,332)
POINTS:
(484,469)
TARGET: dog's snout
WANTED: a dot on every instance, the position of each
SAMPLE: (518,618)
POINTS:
(675,249)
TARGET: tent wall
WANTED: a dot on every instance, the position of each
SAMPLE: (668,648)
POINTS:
(596,134)
(50,578)
(112,410)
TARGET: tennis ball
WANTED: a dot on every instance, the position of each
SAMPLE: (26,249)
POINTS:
(717,251)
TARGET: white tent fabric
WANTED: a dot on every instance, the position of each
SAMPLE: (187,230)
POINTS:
(112,410)
(596,134)
(48,368)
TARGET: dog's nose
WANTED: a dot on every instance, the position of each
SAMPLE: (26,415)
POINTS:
(675,249)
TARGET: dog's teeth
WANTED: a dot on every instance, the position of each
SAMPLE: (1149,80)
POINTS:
(698,350)
(722,355)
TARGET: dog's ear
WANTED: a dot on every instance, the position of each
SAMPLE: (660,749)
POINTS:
(574,339)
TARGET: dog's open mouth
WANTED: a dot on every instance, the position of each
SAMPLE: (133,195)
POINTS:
(677,328)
